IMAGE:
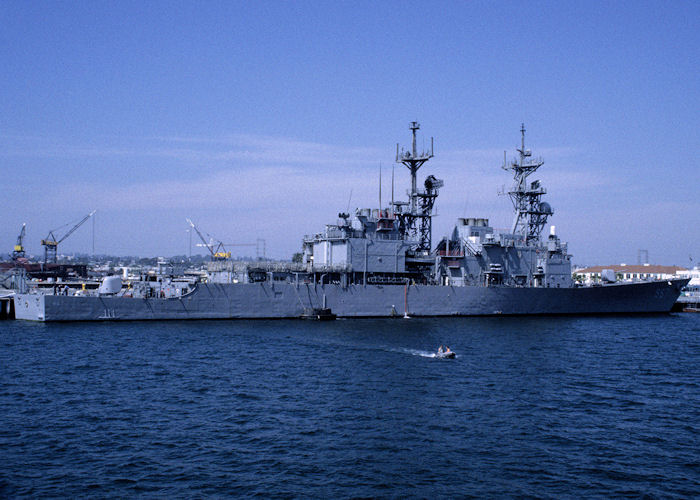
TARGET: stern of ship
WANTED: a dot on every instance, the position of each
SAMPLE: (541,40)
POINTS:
(31,307)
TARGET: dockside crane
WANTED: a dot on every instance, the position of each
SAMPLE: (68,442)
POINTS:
(216,248)
(18,252)
(217,252)
(51,241)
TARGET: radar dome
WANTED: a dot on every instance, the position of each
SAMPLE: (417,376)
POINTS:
(110,285)
(545,208)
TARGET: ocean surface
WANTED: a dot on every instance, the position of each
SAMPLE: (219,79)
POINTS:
(552,407)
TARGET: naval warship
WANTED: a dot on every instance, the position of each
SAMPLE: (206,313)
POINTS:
(382,263)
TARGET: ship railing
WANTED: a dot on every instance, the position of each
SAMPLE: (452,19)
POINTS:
(295,267)
(341,268)
(386,280)
(276,266)
(471,248)
(387,236)
(263,265)
(451,253)
(335,233)
(531,163)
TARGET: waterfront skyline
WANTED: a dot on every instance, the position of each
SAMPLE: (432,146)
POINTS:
(266,120)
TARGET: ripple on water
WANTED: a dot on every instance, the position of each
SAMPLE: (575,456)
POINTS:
(553,407)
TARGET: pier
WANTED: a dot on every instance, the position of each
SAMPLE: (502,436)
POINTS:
(7,307)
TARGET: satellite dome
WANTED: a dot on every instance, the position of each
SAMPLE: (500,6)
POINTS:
(110,285)
(545,208)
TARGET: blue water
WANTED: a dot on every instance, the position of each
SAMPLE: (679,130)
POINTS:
(546,407)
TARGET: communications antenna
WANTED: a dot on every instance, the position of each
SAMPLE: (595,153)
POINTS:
(416,223)
(530,212)
(413,161)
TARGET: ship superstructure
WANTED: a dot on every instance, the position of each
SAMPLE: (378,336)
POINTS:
(476,256)
(388,245)
(393,244)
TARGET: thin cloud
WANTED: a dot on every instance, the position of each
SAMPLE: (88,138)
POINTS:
(280,188)
(243,149)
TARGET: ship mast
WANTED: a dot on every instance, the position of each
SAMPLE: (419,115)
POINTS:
(530,212)
(416,223)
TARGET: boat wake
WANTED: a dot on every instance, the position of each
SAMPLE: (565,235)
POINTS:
(416,352)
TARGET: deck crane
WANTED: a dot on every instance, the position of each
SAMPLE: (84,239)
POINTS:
(216,248)
(51,241)
(18,251)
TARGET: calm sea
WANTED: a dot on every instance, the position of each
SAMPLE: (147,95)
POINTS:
(544,407)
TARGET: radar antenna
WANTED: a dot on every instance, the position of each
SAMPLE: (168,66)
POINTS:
(530,212)
(416,223)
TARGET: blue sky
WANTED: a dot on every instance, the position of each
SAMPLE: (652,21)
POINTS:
(257,119)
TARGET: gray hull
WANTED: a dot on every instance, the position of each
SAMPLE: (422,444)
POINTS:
(288,300)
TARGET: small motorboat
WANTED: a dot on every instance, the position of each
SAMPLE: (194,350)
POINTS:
(320,314)
(447,354)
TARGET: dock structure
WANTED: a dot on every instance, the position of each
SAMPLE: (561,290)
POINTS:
(7,307)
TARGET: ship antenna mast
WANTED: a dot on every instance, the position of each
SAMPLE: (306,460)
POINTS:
(392,189)
(416,222)
(380,186)
(413,161)
(530,212)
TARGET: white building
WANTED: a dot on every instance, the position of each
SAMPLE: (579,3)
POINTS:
(693,274)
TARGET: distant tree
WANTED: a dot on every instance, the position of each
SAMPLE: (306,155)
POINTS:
(297,257)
